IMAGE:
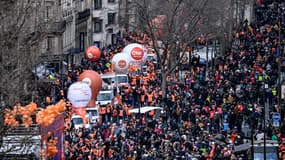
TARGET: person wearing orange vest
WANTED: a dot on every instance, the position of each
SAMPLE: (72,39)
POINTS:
(115,114)
(128,110)
(150,98)
(125,108)
(109,110)
(178,112)
(96,152)
(151,113)
(127,90)
(103,112)
(173,97)
(145,82)
(48,100)
(142,97)
(133,81)
(102,152)
(117,100)
(121,113)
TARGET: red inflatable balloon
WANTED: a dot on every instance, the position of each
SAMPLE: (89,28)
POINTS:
(92,53)
(93,79)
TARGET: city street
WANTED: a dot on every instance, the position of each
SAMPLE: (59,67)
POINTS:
(142,80)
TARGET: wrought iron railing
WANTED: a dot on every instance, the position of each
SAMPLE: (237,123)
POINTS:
(34,129)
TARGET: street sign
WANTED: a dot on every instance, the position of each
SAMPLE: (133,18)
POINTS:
(276,119)
(276,116)
(276,123)
(266,86)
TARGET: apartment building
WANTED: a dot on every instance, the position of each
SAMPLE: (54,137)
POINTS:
(53,25)
(68,14)
(93,22)
(105,22)
(69,11)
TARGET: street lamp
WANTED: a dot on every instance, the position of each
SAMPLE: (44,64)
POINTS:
(280,61)
(264,119)
(252,124)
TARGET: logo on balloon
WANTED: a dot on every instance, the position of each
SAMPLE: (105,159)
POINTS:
(122,63)
(137,53)
(92,53)
(89,55)
(87,81)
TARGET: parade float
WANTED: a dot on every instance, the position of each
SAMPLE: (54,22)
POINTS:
(33,132)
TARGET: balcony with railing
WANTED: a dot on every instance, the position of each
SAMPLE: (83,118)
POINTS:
(53,27)
(20,143)
(84,15)
(22,130)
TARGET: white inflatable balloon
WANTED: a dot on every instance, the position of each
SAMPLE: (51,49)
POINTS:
(79,94)
(121,62)
(135,52)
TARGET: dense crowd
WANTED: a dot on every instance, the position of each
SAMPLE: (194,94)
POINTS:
(203,113)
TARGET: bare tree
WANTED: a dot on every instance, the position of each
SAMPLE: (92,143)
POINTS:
(175,23)
(231,13)
(216,28)
(21,37)
(19,40)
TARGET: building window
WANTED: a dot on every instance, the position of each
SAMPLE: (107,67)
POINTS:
(111,1)
(111,18)
(114,39)
(82,5)
(97,4)
(97,28)
(81,42)
(48,12)
(49,43)
(97,44)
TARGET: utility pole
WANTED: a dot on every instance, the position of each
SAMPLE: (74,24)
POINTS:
(252,120)
(264,123)
(279,63)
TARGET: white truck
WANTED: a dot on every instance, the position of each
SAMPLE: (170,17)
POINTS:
(104,97)
(122,80)
(93,114)
(113,80)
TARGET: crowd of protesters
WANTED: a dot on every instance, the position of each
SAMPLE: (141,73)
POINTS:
(203,113)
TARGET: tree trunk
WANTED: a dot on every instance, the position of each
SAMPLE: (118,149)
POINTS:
(163,84)
(231,22)
(214,54)
(207,54)
(251,10)
(172,62)
(223,45)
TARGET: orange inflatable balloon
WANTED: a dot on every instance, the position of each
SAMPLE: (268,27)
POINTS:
(92,53)
(93,79)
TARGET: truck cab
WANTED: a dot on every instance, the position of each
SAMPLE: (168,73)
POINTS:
(112,81)
(93,114)
(109,81)
(105,97)
(122,80)
(77,121)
